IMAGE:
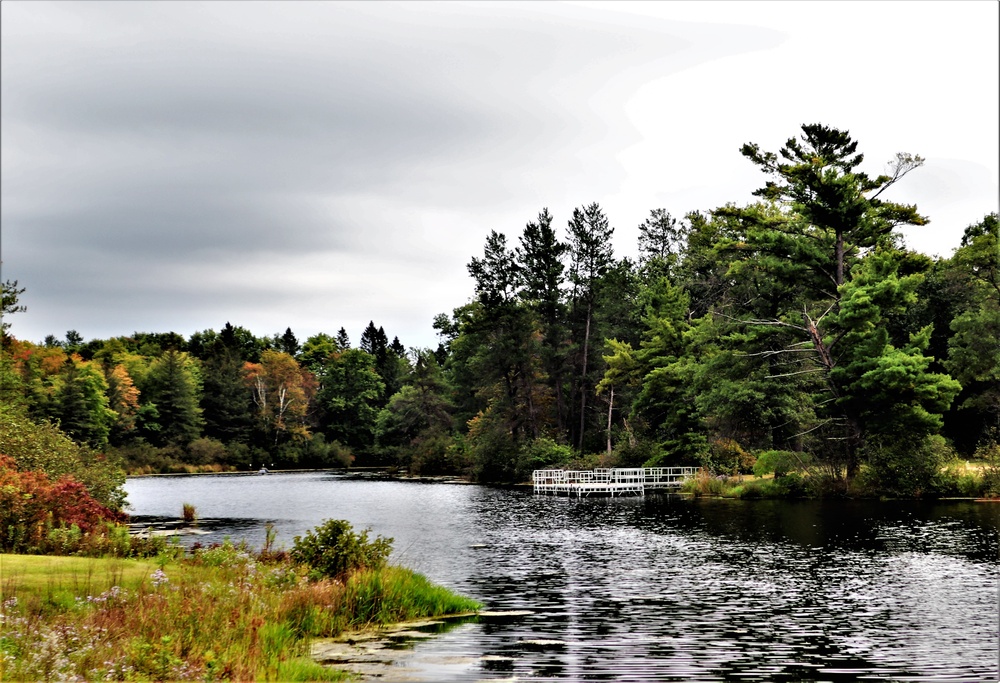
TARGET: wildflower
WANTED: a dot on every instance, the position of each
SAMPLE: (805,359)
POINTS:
(109,595)
(159,578)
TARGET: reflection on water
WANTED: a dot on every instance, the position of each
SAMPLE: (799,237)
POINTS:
(656,588)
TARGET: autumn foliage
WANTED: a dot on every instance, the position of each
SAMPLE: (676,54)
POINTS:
(31,505)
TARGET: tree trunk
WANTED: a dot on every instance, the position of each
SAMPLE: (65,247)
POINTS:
(839,254)
(611,405)
(583,381)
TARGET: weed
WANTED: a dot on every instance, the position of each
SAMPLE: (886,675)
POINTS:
(189,513)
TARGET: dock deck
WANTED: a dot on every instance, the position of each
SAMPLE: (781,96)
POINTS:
(617,481)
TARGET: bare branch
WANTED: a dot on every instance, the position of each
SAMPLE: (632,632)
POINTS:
(821,424)
(764,354)
(800,372)
(899,167)
(826,312)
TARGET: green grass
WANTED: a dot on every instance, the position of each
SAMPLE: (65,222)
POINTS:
(790,486)
(223,614)
(40,576)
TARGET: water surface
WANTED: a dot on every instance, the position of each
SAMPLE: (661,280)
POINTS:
(654,588)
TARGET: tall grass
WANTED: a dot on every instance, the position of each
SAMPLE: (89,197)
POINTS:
(789,486)
(220,614)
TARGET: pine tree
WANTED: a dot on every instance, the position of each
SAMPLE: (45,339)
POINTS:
(225,401)
(591,252)
(343,341)
(287,343)
(173,386)
(540,260)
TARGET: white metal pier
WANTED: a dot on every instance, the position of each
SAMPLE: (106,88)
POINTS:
(617,481)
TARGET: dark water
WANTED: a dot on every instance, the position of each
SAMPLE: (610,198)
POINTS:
(658,588)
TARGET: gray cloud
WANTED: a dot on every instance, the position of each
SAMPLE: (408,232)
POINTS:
(161,159)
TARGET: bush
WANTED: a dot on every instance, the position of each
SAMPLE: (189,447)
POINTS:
(727,456)
(903,467)
(32,506)
(428,454)
(494,453)
(206,451)
(540,454)
(314,451)
(957,480)
(637,454)
(704,484)
(779,463)
(989,454)
(42,447)
(335,551)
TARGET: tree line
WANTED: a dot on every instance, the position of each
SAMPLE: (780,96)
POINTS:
(798,327)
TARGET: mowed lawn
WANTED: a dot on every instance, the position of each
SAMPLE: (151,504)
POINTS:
(51,576)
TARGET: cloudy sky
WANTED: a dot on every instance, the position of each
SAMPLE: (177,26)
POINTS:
(175,165)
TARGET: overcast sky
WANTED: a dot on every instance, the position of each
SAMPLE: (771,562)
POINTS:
(171,166)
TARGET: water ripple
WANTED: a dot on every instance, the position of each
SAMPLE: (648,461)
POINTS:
(658,588)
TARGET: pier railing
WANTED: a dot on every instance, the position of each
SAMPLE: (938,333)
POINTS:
(610,481)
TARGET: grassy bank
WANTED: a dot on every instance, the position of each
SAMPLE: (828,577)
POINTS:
(222,613)
(955,479)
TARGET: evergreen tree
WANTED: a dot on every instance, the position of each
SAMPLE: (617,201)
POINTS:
(662,240)
(173,386)
(343,341)
(243,342)
(973,355)
(591,257)
(498,349)
(827,215)
(287,343)
(373,341)
(10,294)
(416,424)
(540,262)
(81,403)
(225,400)
(397,348)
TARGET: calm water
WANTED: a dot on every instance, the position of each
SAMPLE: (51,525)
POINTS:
(658,588)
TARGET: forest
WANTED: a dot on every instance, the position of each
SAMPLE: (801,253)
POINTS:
(793,334)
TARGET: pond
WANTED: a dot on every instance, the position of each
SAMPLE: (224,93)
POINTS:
(653,588)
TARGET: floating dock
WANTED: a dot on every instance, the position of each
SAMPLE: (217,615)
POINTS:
(615,481)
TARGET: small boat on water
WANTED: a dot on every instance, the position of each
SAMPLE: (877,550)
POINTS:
(262,470)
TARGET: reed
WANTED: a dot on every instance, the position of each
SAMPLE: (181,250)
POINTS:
(189,513)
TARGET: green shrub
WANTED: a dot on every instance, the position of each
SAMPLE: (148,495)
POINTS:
(428,454)
(637,453)
(728,457)
(540,454)
(779,463)
(704,484)
(989,455)
(225,555)
(42,447)
(903,467)
(64,540)
(206,451)
(335,551)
